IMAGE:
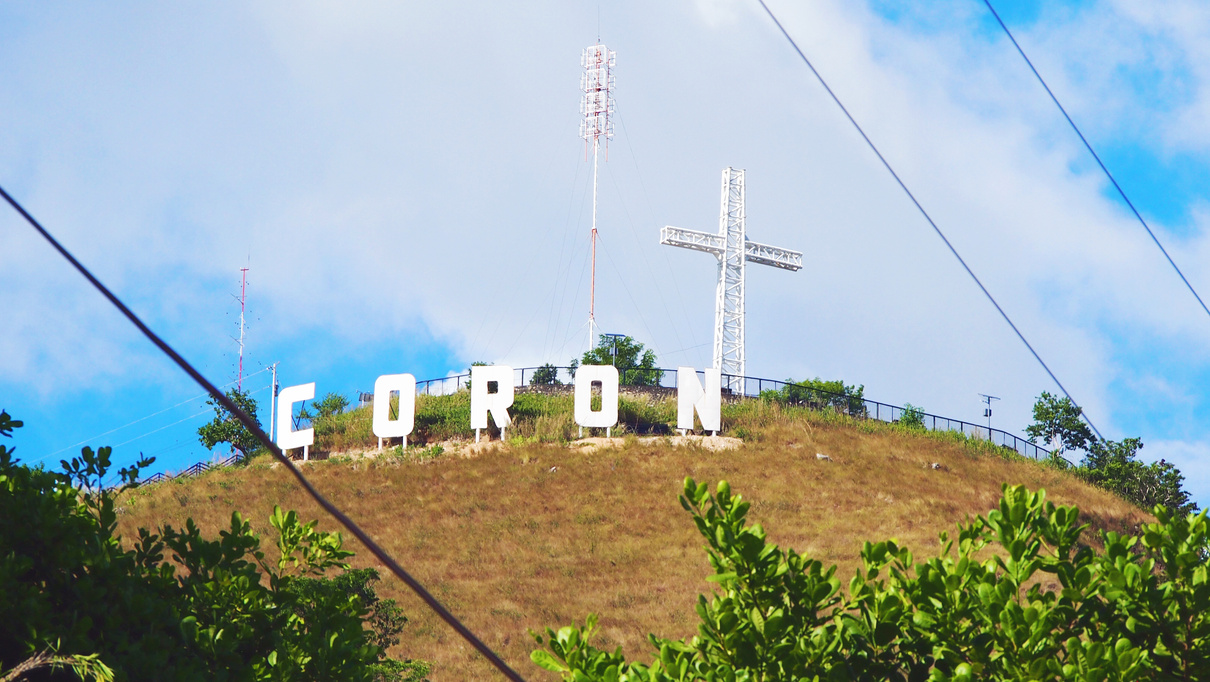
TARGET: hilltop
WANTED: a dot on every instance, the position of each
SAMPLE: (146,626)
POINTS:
(527,534)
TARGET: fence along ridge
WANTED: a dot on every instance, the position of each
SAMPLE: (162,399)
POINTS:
(871,409)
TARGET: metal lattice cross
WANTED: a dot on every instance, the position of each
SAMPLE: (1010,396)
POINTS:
(733,250)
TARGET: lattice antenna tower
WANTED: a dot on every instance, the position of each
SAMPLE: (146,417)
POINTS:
(243,298)
(596,128)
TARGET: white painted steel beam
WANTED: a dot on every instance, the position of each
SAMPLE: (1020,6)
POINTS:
(733,250)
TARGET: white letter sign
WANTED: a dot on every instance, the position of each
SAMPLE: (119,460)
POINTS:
(607,416)
(400,427)
(287,437)
(690,396)
(497,403)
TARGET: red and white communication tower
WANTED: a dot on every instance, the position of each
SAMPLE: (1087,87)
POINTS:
(597,127)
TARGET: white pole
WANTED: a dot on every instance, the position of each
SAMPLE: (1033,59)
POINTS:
(273,403)
(592,303)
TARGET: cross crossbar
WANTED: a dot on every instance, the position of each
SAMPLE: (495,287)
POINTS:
(731,247)
(710,242)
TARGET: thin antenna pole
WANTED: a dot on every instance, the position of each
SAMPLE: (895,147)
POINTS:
(592,290)
(243,291)
(273,403)
(988,412)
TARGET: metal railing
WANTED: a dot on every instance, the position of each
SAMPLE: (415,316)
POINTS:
(193,470)
(753,387)
(862,408)
(734,388)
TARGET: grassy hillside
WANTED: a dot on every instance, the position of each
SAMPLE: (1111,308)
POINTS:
(530,534)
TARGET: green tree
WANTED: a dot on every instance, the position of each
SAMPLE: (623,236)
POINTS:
(546,375)
(636,364)
(468,371)
(1059,423)
(912,416)
(173,604)
(1113,465)
(1020,595)
(225,428)
(325,419)
(330,405)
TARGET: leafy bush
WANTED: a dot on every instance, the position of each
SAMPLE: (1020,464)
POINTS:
(912,416)
(1020,596)
(385,618)
(820,394)
(174,604)
(330,404)
(546,375)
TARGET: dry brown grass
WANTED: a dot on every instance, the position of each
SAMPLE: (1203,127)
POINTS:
(534,535)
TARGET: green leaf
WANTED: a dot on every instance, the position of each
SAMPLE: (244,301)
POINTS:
(545,660)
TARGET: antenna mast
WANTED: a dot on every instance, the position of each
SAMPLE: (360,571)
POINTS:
(987,411)
(243,291)
(597,107)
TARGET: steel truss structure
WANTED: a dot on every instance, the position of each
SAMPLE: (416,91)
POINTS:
(597,107)
(734,251)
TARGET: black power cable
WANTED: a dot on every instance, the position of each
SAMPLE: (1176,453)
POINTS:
(386,559)
(924,213)
(1121,192)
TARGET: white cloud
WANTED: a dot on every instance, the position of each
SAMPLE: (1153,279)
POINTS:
(380,165)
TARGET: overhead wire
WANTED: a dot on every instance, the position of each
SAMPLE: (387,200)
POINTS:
(626,288)
(551,323)
(639,243)
(646,264)
(886,164)
(382,555)
(1095,156)
(181,421)
(664,252)
(141,419)
(573,253)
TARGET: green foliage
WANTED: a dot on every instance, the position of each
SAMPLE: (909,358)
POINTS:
(820,394)
(330,420)
(547,418)
(172,604)
(1059,420)
(385,618)
(1020,596)
(84,667)
(329,405)
(912,416)
(636,364)
(225,428)
(468,371)
(442,417)
(647,415)
(1112,465)
(546,375)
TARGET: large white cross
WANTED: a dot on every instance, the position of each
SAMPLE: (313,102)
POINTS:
(733,250)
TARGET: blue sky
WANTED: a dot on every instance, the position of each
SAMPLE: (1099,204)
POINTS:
(406,185)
